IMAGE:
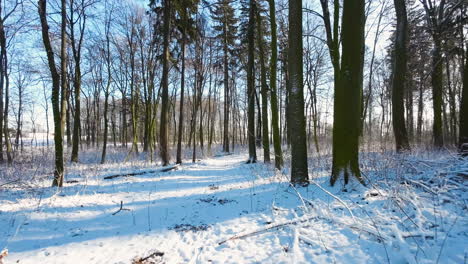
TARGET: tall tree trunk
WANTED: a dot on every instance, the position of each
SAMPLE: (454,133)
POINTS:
(264,92)
(114,135)
(68,119)
(181,103)
(106,123)
(165,83)
(399,78)
(6,131)
(437,71)
(420,111)
(258,138)
(251,84)
(226,93)
(463,134)
(452,104)
(19,115)
(77,114)
(63,67)
(107,89)
(58,173)
(347,107)
(296,118)
(2,79)
(274,97)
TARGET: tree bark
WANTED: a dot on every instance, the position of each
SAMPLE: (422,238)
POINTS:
(165,83)
(63,67)
(348,93)
(399,78)
(296,118)
(251,84)
(58,173)
(264,92)
(273,90)
(181,103)
(226,93)
(463,134)
(437,72)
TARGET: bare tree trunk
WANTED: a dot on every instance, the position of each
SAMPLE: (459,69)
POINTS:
(58,173)
(264,92)
(437,73)
(165,83)
(63,67)
(463,134)
(347,106)
(181,103)
(296,118)
(399,78)
(251,84)
(226,95)
(273,92)
(108,84)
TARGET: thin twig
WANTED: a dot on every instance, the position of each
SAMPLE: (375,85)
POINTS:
(121,208)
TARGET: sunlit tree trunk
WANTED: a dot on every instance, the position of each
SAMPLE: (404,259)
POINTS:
(296,118)
(251,84)
(58,173)
(273,90)
(164,153)
(348,93)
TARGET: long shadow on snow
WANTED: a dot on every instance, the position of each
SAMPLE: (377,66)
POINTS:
(170,181)
(164,213)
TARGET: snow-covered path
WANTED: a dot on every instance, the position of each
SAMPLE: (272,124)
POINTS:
(175,212)
(185,213)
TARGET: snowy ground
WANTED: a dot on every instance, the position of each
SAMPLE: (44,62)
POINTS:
(221,210)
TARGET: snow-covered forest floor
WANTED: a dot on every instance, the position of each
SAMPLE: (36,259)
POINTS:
(221,210)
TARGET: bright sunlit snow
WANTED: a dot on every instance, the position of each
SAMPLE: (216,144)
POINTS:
(221,210)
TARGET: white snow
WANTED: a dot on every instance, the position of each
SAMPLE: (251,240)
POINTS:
(221,210)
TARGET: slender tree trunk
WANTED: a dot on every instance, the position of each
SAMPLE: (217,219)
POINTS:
(63,67)
(19,121)
(114,135)
(58,173)
(347,107)
(452,105)
(296,118)
(251,84)
(226,94)
(463,134)
(2,80)
(181,103)
(106,124)
(274,97)
(165,83)
(399,76)
(6,131)
(437,72)
(68,119)
(77,114)
(264,92)
(258,138)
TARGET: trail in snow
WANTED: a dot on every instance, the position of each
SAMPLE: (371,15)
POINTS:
(187,212)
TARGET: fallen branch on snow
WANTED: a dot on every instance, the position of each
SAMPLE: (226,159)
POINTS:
(151,258)
(336,198)
(121,208)
(268,227)
(6,183)
(166,169)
